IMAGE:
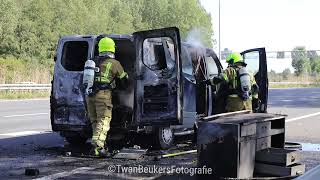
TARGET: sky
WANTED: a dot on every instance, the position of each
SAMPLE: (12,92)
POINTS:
(274,24)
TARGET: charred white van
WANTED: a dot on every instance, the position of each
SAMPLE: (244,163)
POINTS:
(164,94)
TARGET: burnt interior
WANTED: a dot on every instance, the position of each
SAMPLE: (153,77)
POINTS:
(199,72)
(123,99)
(157,94)
(159,57)
(155,99)
(74,55)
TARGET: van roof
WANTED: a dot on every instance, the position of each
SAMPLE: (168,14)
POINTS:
(113,36)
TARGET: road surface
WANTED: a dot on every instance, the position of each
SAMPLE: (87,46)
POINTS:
(302,106)
(26,139)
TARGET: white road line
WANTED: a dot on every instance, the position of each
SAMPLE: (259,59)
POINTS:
(98,166)
(15,100)
(302,117)
(123,175)
(22,133)
(21,115)
(67,173)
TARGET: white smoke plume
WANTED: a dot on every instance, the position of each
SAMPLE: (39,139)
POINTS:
(195,37)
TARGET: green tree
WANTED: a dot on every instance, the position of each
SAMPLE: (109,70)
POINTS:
(272,75)
(315,65)
(122,18)
(9,13)
(286,73)
(136,7)
(300,61)
(189,16)
(314,62)
(30,29)
(186,15)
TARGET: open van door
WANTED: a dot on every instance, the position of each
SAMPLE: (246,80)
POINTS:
(158,90)
(257,64)
(67,100)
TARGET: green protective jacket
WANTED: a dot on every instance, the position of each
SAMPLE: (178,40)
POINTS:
(110,69)
(229,76)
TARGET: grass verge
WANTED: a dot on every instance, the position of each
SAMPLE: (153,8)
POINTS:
(24,94)
(284,86)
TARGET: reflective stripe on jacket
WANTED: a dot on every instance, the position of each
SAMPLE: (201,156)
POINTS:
(229,75)
(109,70)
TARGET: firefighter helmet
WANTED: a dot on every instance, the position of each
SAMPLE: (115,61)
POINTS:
(106,45)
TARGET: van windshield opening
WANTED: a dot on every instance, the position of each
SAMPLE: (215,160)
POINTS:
(74,55)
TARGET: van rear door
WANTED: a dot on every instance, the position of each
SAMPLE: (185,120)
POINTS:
(158,91)
(67,98)
(257,63)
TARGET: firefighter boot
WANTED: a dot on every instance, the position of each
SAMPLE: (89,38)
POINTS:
(98,152)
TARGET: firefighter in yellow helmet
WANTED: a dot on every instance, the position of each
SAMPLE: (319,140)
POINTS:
(99,102)
(242,89)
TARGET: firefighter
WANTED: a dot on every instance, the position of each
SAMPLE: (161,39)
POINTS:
(241,87)
(99,102)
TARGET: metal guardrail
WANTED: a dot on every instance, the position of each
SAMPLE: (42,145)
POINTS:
(306,83)
(10,87)
(25,87)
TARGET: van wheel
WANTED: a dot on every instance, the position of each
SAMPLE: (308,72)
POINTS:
(164,138)
(76,140)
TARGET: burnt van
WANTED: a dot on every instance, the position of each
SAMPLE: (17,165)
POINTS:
(165,92)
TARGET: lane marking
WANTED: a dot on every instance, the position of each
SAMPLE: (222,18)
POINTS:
(21,115)
(302,117)
(68,173)
(91,172)
(23,133)
(286,100)
(123,175)
(18,100)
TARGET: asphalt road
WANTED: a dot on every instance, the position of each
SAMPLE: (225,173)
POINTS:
(26,139)
(302,106)
(24,115)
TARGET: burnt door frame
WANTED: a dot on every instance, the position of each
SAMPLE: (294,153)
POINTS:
(69,96)
(261,77)
(139,118)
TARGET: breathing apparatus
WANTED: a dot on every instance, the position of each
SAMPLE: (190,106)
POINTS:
(243,74)
(88,75)
(245,83)
(106,48)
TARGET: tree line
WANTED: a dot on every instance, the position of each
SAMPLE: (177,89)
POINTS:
(305,62)
(306,65)
(30,29)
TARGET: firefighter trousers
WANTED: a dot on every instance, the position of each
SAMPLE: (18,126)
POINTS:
(99,109)
(235,103)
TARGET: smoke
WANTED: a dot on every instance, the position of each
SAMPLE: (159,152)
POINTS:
(195,37)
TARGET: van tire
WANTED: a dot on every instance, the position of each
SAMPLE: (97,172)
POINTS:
(164,138)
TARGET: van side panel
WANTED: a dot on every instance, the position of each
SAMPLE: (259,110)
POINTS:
(67,98)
